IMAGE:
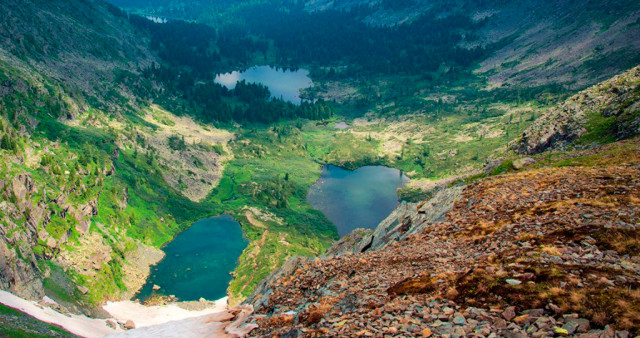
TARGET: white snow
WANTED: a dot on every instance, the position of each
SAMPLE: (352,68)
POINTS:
(79,325)
(142,316)
(153,315)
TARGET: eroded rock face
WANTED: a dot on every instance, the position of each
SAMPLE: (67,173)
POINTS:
(19,272)
(17,276)
(24,217)
(566,123)
(406,219)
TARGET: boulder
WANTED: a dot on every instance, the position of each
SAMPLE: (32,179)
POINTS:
(111,324)
(129,324)
(520,163)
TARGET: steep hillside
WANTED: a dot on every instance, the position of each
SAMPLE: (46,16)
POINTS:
(114,138)
(90,181)
(548,248)
(109,150)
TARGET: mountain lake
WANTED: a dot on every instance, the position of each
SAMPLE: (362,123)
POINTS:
(284,84)
(356,199)
(198,261)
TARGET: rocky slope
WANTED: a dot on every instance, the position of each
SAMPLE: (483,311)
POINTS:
(545,250)
(538,253)
(617,99)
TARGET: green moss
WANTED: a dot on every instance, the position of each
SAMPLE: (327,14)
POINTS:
(600,129)
(504,167)
(14,323)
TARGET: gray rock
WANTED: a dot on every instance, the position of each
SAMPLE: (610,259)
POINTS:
(111,324)
(520,163)
(622,334)
(459,320)
(509,313)
(513,282)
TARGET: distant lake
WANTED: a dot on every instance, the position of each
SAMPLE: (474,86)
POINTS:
(356,199)
(285,84)
(198,261)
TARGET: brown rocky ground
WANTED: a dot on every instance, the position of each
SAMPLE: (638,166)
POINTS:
(547,251)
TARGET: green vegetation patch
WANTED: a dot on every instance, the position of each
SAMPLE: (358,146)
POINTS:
(14,323)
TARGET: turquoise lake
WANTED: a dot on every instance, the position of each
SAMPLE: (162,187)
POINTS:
(198,261)
(285,84)
(356,199)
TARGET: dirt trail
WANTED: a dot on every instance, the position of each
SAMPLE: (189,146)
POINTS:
(255,250)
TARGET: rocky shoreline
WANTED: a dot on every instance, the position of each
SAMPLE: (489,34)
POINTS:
(137,268)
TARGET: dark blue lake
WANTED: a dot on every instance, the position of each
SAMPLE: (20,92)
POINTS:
(356,199)
(198,261)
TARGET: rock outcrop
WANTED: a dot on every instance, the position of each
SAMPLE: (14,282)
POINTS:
(19,271)
(618,97)
(405,220)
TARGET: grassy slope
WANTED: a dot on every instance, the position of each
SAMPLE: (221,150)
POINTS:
(271,174)
(16,324)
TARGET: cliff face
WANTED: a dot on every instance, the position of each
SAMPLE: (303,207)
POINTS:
(19,276)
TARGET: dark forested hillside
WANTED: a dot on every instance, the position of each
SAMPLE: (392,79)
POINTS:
(519,40)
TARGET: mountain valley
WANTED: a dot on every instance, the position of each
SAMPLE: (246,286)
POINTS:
(515,123)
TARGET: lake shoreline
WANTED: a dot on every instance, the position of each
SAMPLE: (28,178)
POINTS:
(198,262)
(359,198)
